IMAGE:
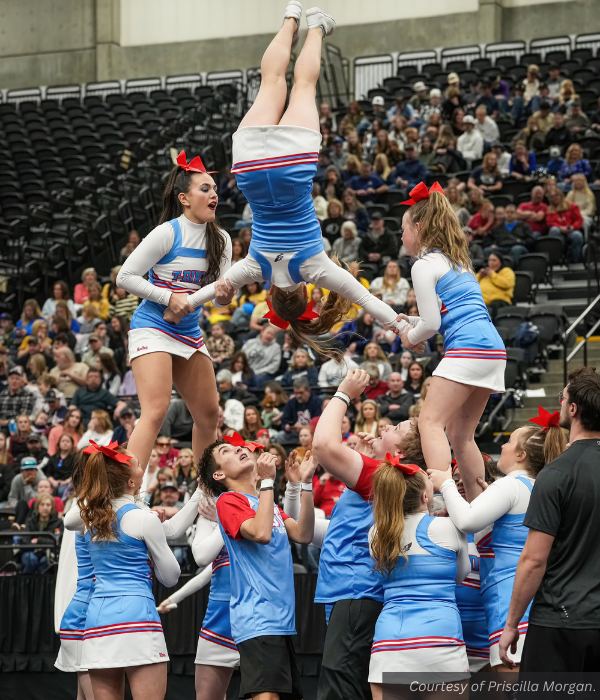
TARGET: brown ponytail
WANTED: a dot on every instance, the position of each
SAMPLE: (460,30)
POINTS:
(395,495)
(541,446)
(179,182)
(333,310)
(440,230)
(103,480)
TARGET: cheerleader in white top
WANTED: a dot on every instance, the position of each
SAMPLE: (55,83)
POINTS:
(275,156)
(496,519)
(123,634)
(185,252)
(450,303)
(422,558)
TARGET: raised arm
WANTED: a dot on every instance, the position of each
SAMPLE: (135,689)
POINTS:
(335,457)
(291,501)
(240,273)
(303,529)
(166,566)
(208,540)
(176,526)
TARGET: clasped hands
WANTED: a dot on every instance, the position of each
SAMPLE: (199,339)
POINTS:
(179,306)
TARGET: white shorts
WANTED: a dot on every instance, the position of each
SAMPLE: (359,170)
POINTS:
(488,374)
(215,654)
(124,650)
(257,143)
(69,656)
(143,341)
(495,652)
(476,663)
(448,663)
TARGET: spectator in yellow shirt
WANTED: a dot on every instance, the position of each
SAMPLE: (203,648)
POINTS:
(497,284)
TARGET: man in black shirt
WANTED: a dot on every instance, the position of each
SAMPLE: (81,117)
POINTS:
(561,558)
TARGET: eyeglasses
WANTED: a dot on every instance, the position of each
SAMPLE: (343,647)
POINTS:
(561,397)
(163,444)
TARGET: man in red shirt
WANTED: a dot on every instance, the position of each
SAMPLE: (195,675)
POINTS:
(376,387)
(534,212)
(566,223)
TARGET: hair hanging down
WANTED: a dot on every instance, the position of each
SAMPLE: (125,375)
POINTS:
(542,446)
(103,480)
(179,182)
(333,310)
(440,230)
(207,467)
(396,495)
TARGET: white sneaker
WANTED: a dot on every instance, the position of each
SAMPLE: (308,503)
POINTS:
(294,10)
(315,17)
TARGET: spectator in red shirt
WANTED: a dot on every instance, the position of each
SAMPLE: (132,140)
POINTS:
(168,454)
(483,221)
(44,486)
(376,387)
(565,222)
(327,493)
(534,212)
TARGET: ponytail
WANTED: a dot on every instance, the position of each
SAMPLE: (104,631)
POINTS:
(395,495)
(178,182)
(103,480)
(334,309)
(441,231)
(541,446)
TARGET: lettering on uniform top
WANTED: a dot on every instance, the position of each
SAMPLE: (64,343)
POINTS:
(191,276)
(279,257)
(144,347)
(278,523)
(474,562)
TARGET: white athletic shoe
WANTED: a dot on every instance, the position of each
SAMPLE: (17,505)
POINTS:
(315,17)
(294,10)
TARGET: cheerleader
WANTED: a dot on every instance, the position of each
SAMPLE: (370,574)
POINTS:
(123,635)
(72,624)
(421,558)
(185,252)
(255,531)
(471,610)
(450,303)
(496,518)
(275,156)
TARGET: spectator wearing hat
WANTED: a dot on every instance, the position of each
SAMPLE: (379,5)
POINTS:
(408,173)
(15,400)
(323,164)
(432,106)
(337,154)
(23,488)
(96,346)
(379,112)
(454,80)
(298,412)
(92,397)
(170,505)
(485,125)
(379,246)
(554,82)
(545,117)
(531,87)
(402,108)
(368,184)
(56,411)
(420,97)
(127,420)
(488,100)
(470,143)
(36,449)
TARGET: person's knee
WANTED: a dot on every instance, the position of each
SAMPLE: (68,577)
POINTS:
(459,434)
(576,237)
(555,231)
(205,416)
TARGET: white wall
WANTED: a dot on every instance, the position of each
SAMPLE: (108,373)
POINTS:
(146,22)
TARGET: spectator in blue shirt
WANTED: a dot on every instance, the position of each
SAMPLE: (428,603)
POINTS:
(402,107)
(298,412)
(573,164)
(523,163)
(555,163)
(486,98)
(409,172)
(368,184)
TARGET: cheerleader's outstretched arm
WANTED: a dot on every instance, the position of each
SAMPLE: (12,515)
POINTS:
(73,521)
(321,271)
(192,586)
(131,275)
(291,507)
(149,529)
(425,276)
(497,500)
(207,543)
(240,273)
(179,523)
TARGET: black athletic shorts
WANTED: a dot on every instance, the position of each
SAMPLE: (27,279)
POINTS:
(268,665)
(559,650)
(347,652)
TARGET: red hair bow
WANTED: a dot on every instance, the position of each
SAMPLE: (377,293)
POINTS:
(408,469)
(194,166)
(271,316)
(238,441)
(453,466)
(420,192)
(545,419)
(110,451)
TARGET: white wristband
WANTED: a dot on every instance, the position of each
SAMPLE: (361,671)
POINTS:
(267,484)
(307,487)
(292,488)
(344,397)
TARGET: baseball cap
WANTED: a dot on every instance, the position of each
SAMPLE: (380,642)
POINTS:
(16,370)
(94,336)
(4,316)
(533,68)
(378,100)
(33,437)
(169,485)
(468,119)
(338,139)
(419,86)
(376,215)
(453,78)
(125,412)
(28,463)
(263,431)
(435,92)
(51,395)
(224,376)
(410,147)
